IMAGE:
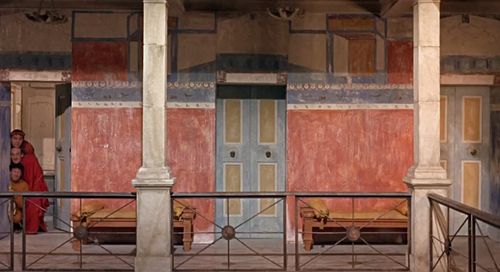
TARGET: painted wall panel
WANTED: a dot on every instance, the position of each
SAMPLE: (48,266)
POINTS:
(196,49)
(400,62)
(308,50)
(258,33)
(106,148)
(362,59)
(191,157)
(349,151)
(100,61)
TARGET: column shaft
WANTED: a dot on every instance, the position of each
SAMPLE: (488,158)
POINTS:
(426,175)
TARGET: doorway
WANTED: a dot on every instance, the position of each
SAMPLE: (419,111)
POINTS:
(251,122)
(40,109)
(466,145)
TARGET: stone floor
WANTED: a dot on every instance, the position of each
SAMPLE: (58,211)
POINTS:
(64,255)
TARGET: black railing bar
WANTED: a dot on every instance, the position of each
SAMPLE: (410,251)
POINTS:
(260,212)
(198,253)
(482,215)
(231,270)
(349,254)
(232,195)
(93,224)
(487,246)
(296,194)
(321,253)
(48,253)
(382,253)
(197,213)
(322,232)
(110,254)
(225,254)
(406,195)
(356,269)
(69,194)
(258,254)
(85,269)
(258,232)
(76,254)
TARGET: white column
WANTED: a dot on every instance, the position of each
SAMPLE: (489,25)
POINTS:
(153,181)
(426,175)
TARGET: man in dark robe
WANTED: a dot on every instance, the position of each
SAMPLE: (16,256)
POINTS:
(33,175)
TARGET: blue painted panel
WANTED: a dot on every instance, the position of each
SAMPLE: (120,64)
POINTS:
(4,153)
(122,93)
(470,64)
(35,60)
(324,78)
(348,96)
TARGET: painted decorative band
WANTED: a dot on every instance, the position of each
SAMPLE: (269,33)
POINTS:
(495,107)
(121,104)
(354,86)
(4,104)
(106,104)
(175,105)
(350,106)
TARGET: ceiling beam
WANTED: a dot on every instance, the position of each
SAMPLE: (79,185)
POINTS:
(396,8)
(73,4)
(480,7)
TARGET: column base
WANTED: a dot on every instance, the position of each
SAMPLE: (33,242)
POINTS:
(147,263)
(421,181)
(153,177)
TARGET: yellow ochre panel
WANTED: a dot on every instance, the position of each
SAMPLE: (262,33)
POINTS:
(232,124)
(267,121)
(471,181)
(232,173)
(267,183)
(472,119)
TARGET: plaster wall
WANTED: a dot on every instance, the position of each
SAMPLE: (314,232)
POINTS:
(479,37)
(196,49)
(18,34)
(251,33)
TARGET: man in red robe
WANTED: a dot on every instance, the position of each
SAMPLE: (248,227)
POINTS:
(33,175)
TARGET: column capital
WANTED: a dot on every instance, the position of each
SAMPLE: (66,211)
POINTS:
(154,1)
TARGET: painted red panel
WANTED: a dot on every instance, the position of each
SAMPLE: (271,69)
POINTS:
(106,61)
(191,156)
(400,62)
(106,149)
(349,151)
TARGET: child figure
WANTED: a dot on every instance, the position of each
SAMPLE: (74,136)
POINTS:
(17,184)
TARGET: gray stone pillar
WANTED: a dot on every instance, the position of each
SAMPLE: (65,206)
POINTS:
(153,181)
(426,175)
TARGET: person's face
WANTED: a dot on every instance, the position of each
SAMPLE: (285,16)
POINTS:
(15,174)
(16,140)
(16,155)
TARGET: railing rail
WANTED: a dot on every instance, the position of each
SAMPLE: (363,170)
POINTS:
(444,239)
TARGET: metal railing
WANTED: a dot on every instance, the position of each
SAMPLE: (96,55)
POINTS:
(7,239)
(78,241)
(377,240)
(231,222)
(449,221)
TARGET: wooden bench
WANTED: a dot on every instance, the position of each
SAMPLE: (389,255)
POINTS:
(389,229)
(109,227)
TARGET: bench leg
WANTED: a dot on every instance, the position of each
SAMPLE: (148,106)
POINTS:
(307,236)
(187,236)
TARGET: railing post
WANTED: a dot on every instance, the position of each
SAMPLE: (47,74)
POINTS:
(473,244)
(469,241)
(431,220)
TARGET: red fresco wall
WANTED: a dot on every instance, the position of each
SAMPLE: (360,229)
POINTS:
(191,156)
(400,62)
(106,61)
(106,148)
(349,151)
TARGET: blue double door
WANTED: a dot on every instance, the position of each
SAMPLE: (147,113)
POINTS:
(251,158)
